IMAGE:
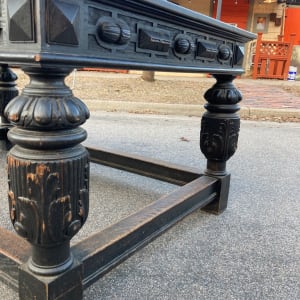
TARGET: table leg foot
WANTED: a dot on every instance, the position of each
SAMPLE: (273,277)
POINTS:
(219,205)
(66,285)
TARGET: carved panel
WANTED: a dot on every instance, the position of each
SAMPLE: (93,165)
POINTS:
(154,40)
(127,34)
(121,34)
(63,23)
(21,21)
(206,50)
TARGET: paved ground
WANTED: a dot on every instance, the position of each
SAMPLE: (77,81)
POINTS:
(268,94)
(250,252)
(274,100)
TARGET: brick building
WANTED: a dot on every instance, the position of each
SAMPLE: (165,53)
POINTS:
(271,17)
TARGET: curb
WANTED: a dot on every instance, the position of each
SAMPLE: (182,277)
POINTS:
(145,107)
(259,113)
(186,110)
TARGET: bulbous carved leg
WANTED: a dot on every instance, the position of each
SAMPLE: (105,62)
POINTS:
(219,134)
(8,91)
(48,174)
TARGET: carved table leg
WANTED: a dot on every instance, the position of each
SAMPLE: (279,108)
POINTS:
(48,173)
(219,134)
(8,91)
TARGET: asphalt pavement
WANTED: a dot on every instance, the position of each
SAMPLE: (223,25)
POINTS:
(251,251)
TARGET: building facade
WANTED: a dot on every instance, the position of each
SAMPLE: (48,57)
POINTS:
(274,18)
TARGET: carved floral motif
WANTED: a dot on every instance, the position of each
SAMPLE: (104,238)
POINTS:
(41,212)
(219,138)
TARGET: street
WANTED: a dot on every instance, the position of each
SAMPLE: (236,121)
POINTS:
(251,251)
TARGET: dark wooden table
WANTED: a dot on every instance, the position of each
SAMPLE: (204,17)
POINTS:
(48,169)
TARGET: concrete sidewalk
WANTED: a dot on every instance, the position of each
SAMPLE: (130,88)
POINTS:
(262,99)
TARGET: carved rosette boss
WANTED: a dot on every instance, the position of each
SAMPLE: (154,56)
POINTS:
(48,169)
(220,124)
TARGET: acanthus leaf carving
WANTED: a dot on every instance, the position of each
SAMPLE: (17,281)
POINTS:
(219,138)
(59,217)
(27,222)
(41,212)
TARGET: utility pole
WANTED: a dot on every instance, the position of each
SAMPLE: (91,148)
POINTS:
(219,10)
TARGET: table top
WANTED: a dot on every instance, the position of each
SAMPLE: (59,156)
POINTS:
(129,34)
